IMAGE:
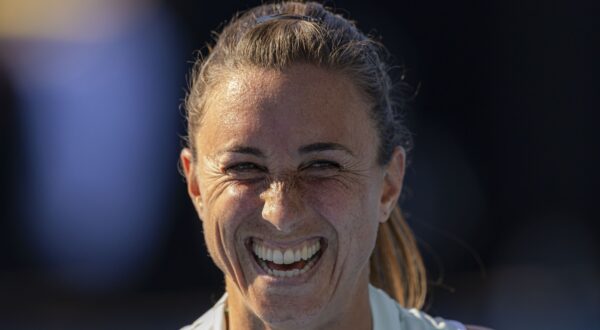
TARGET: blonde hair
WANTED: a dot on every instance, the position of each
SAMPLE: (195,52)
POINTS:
(280,34)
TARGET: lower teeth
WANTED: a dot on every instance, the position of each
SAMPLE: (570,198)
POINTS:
(286,273)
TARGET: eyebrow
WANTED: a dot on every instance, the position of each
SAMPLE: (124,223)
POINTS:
(247,150)
(323,146)
(309,148)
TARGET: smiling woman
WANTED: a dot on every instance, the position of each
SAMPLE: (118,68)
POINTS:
(295,164)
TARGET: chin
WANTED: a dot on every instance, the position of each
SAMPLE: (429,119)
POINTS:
(291,317)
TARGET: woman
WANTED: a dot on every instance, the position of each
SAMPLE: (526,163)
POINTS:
(295,164)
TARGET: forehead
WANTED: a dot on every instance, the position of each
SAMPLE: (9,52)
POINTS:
(294,105)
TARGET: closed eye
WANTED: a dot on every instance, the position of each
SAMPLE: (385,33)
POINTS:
(245,167)
(322,165)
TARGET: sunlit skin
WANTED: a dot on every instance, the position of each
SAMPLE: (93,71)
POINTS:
(286,156)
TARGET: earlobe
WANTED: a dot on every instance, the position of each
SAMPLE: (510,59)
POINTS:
(392,184)
(187,164)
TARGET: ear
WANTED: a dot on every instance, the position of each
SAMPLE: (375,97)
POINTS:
(187,163)
(392,183)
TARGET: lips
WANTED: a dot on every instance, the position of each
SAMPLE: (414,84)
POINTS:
(289,261)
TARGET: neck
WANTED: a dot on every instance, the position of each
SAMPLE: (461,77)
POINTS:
(353,312)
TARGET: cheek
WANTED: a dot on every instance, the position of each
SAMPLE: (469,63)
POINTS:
(340,201)
(229,200)
(224,214)
(351,210)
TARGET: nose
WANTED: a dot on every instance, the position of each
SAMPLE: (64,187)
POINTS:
(283,207)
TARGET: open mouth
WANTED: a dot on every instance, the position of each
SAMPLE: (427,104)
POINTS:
(287,262)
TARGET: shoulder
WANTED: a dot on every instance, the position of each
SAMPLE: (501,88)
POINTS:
(213,319)
(388,314)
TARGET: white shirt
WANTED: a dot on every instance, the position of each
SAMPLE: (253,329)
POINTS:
(387,314)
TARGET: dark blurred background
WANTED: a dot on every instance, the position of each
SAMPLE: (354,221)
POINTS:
(96,229)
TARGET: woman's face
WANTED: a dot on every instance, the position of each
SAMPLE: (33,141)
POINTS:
(287,185)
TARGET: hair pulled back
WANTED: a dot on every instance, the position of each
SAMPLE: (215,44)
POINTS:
(278,35)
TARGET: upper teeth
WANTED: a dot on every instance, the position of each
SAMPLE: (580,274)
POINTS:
(286,256)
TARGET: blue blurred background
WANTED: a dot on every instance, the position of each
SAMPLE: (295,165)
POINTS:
(96,230)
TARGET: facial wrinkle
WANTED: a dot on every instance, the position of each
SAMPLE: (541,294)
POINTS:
(239,276)
(219,181)
(218,185)
(350,174)
(220,235)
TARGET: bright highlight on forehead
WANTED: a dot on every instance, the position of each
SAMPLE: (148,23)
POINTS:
(234,86)
(306,80)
